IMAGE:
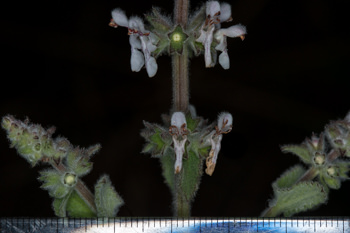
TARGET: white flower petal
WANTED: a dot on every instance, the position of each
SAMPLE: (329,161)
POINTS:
(207,48)
(137,23)
(120,18)
(222,41)
(225,12)
(150,47)
(213,7)
(178,119)
(224,120)
(224,60)
(151,67)
(202,37)
(137,60)
(153,38)
(135,42)
(235,31)
(179,148)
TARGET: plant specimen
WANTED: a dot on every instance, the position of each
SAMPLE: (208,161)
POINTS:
(184,141)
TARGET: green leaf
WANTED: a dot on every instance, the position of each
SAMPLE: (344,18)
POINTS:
(300,150)
(59,206)
(204,152)
(343,168)
(157,139)
(78,161)
(52,181)
(331,182)
(159,22)
(77,207)
(148,148)
(191,173)
(107,200)
(192,123)
(167,161)
(301,197)
(197,19)
(162,46)
(289,177)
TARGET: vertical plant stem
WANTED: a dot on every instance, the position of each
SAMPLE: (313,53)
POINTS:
(180,81)
(181,12)
(180,99)
(182,206)
(180,62)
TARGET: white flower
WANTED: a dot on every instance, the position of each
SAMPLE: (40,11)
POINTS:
(178,130)
(217,13)
(207,30)
(221,35)
(140,40)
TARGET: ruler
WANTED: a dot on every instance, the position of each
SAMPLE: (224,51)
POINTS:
(160,225)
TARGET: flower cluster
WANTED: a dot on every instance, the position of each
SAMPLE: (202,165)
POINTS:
(178,130)
(140,40)
(216,14)
(324,153)
(203,34)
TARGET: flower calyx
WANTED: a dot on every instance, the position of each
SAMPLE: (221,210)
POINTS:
(177,39)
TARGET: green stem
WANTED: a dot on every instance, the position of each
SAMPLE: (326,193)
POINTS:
(182,205)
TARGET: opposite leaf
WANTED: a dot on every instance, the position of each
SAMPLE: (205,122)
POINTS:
(300,150)
(289,177)
(107,200)
(52,182)
(301,197)
(77,207)
(59,206)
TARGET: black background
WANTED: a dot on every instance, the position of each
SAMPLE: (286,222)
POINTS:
(63,65)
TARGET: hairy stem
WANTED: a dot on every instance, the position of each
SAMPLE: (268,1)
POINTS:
(80,188)
(181,12)
(182,206)
(180,81)
(180,99)
(180,62)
